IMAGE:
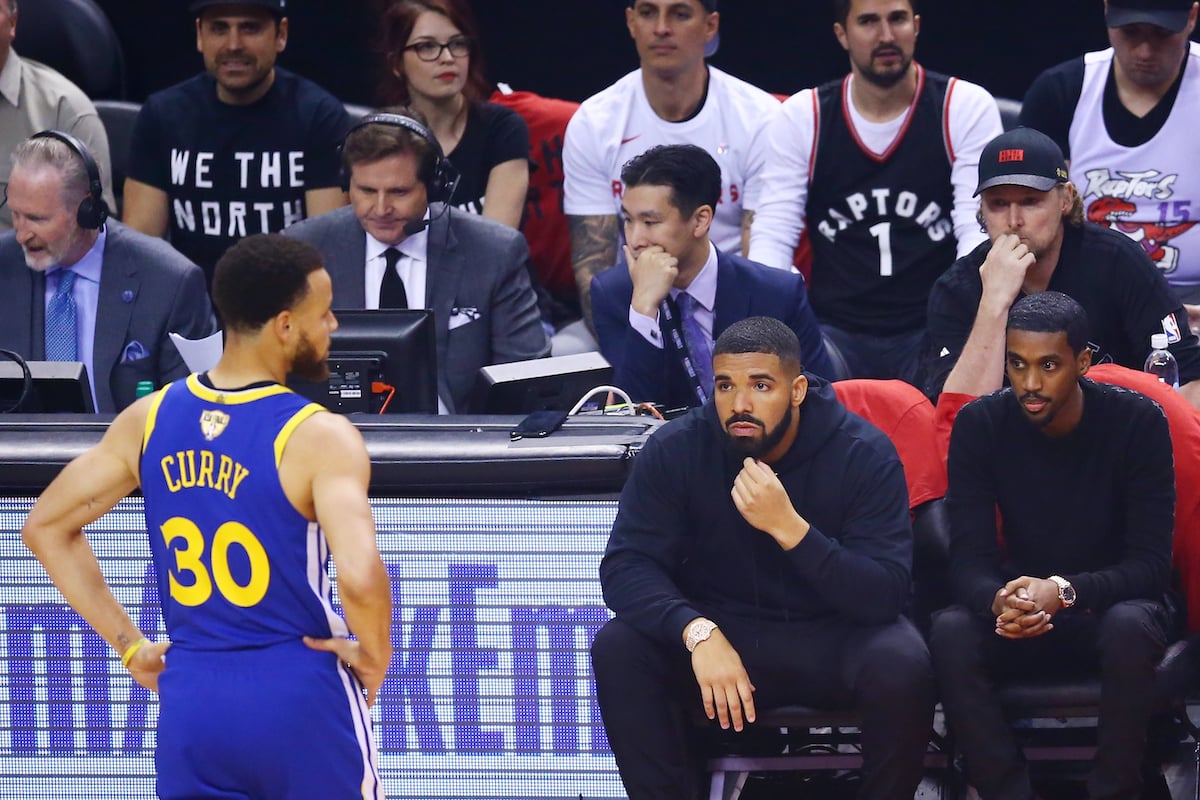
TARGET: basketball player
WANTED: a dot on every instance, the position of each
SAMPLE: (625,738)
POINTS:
(249,490)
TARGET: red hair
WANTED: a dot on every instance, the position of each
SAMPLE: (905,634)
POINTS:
(398,22)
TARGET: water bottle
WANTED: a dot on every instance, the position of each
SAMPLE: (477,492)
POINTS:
(1160,363)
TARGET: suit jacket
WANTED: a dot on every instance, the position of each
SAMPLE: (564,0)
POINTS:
(744,289)
(147,290)
(473,263)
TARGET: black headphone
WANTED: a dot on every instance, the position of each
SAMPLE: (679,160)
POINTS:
(440,182)
(92,208)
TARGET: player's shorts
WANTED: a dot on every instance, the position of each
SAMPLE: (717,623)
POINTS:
(278,722)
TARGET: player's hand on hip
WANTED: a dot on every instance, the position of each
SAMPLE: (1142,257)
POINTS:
(725,686)
(147,663)
(653,272)
(764,503)
(350,652)
(1003,271)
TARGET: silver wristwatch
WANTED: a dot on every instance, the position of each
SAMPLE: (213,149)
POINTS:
(698,632)
(1066,592)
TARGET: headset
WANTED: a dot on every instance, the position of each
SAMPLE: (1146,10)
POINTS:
(92,209)
(440,183)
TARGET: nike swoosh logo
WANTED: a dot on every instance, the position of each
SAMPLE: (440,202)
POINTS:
(630,139)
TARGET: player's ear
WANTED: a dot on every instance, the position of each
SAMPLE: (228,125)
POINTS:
(702,219)
(799,390)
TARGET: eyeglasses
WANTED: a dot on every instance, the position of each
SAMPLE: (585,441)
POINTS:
(429,50)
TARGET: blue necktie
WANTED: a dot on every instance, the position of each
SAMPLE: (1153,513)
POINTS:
(61,341)
(697,343)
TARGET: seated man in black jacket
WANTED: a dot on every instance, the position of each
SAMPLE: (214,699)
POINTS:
(1039,240)
(761,556)
(1081,474)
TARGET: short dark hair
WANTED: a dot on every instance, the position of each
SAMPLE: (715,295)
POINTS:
(841,10)
(1051,312)
(692,174)
(761,335)
(381,140)
(261,276)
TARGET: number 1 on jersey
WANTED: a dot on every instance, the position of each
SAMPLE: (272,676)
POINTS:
(883,232)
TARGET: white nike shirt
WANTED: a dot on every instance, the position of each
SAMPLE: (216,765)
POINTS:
(617,124)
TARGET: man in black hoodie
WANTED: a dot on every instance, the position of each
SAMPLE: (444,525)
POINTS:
(761,556)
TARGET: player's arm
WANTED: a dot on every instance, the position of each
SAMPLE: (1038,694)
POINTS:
(594,240)
(747,224)
(782,195)
(504,197)
(320,201)
(333,450)
(973,120)
(145,208)
(980,367)
(83,492)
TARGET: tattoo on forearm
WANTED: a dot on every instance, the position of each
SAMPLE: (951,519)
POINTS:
(594,241)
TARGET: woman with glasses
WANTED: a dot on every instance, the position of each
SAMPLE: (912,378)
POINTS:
(436,67)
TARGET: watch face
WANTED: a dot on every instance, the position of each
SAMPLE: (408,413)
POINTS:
(1067,593)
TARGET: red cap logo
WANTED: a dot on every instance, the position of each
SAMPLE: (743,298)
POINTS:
(1012,155)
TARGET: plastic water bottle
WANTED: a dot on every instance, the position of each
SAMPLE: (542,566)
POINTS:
(1160,363)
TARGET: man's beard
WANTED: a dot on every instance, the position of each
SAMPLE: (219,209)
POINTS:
(756,448)
(886,80)
(308,364)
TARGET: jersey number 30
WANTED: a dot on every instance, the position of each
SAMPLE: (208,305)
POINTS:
(188,562)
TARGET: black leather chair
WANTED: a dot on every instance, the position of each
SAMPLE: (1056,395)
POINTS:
(118,117)
(75,38)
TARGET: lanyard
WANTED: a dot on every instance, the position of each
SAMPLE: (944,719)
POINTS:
(672,327)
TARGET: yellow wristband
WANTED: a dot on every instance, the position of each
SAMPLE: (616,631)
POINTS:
(131,651)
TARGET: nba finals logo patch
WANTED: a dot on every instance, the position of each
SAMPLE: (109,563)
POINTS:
(212,423)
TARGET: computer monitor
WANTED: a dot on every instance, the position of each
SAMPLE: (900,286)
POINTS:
(396,347)
(540,384)
(53,386)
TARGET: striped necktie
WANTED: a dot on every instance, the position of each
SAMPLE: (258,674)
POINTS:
(62,343)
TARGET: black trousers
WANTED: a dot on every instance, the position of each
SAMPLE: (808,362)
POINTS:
(647,692)
(1122,644)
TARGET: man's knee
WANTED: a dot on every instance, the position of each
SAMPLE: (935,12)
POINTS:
(953,638)
(614,646)
(896,662)
(1132,632)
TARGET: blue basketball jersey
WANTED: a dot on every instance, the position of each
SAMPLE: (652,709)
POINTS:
(246,709)
(237,565)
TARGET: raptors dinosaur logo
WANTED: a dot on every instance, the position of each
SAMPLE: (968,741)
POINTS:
(1113,212)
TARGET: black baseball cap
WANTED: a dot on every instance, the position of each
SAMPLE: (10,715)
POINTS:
(1171,15)
(1022,157)
(276,7)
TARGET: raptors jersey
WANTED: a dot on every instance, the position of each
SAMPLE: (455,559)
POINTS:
(237,565)
(880,224)
(1150,193)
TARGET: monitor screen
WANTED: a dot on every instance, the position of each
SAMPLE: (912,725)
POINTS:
(540,384)
(393,347)
(53,386)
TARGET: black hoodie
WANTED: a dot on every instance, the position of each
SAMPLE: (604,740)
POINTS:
(680,549)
